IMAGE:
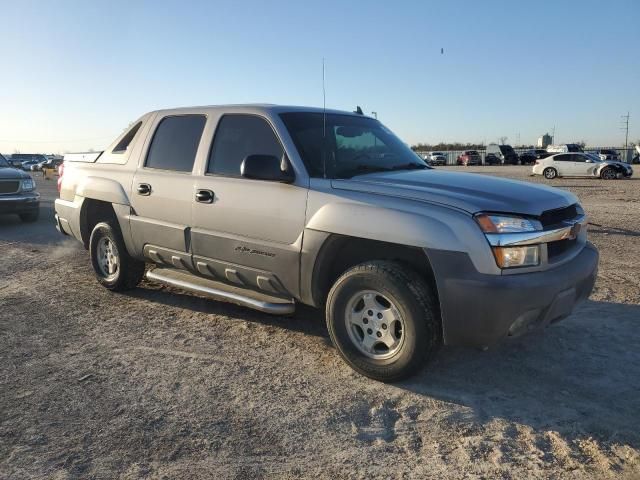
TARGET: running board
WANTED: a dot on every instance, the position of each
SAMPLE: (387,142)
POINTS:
(220,291)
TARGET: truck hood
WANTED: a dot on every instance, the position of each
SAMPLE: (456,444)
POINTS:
(466,191)
(10,173)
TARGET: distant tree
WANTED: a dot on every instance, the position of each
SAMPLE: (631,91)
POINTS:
(503,140)
(582,143)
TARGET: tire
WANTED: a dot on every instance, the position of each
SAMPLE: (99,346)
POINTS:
(120,272)
(383,291)
(30,217)
(550,173)
(608,174)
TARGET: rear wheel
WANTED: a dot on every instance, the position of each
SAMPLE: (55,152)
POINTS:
(383,320)
(608,174)
(550,173)
(115,269)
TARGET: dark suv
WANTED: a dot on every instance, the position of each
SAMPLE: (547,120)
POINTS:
(17,192)
(504,153)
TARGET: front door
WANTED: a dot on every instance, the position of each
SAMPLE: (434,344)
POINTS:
(162,191)
(247,232)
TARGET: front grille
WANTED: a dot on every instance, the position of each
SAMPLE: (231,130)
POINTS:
(555,249)
(551,218)
(9,186)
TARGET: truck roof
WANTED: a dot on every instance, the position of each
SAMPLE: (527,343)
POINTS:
(255,108)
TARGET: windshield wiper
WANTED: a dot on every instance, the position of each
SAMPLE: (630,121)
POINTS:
(363,169)
(409,166)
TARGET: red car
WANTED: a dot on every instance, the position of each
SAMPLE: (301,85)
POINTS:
(469,157)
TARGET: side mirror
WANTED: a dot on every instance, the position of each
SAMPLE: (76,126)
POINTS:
(266,167)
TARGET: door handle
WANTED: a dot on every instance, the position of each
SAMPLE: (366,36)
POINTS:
(144,189)
(204,196)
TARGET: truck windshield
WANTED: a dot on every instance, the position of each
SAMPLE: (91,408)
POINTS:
(343,146)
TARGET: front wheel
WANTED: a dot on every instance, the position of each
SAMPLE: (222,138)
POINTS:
(608,174)
(383,320)
(550,173)
(115,269)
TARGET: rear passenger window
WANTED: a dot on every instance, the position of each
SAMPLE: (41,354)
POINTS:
(175,143)
(126,140)
(237,137)
(562,158)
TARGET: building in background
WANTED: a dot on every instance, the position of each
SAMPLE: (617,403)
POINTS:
(544,141)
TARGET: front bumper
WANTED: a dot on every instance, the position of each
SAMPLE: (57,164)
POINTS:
(19,202)
(480,310)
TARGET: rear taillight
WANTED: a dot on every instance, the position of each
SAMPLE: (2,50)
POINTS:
(60,172)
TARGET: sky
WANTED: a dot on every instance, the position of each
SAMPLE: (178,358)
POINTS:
(74,74)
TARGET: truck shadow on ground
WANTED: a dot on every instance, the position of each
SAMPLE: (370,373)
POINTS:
(305,320)
(580,377)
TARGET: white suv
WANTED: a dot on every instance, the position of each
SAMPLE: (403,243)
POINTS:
(580,165)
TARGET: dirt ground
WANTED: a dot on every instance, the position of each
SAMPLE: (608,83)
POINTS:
(162,384)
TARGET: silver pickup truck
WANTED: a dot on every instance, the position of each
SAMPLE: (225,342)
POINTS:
(266,206)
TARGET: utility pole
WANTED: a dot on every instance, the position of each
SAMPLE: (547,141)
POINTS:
(625,127)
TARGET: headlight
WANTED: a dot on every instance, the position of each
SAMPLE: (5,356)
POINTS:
(26,184)
(495,223)
(510,257)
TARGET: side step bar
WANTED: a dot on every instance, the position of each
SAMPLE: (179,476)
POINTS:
(220,291)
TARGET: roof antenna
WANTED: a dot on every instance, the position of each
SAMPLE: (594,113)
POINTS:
(324,125)
(358,110)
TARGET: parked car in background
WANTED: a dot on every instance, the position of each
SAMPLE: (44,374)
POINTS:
(52,163)
(13,163)
(505,153)
(26,160)
(491,159)
(636,157)
(436,158)
(565,148)
(541,153)
(528,157)
(469,157)
(580,165)
(17,193)
(608,154)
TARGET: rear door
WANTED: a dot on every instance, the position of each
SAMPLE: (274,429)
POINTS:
(247,232)
(163,189)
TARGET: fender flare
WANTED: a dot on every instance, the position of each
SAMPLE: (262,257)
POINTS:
(98,188)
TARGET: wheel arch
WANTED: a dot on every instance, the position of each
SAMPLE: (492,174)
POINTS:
(339,252)
(92,212)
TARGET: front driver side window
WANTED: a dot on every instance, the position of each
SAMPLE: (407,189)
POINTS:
(237,137)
